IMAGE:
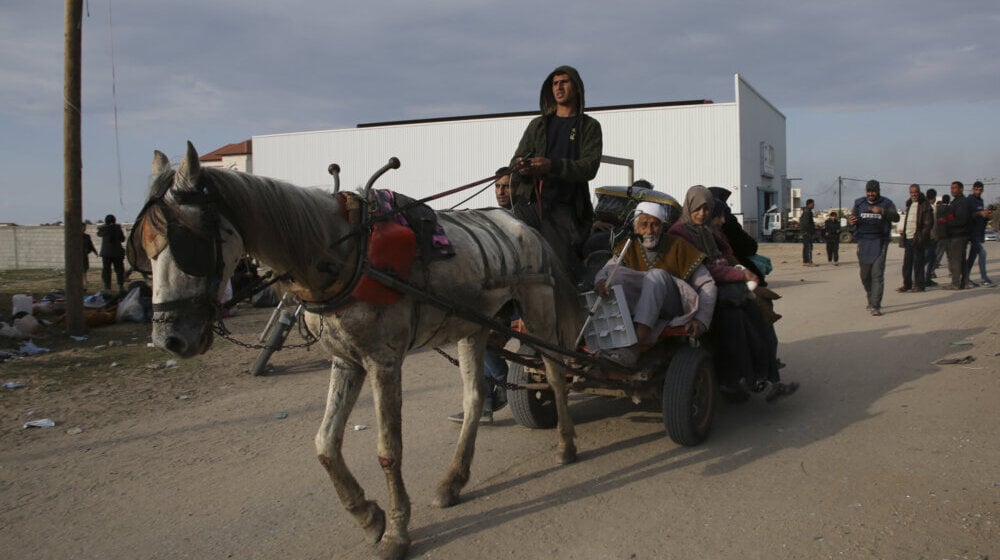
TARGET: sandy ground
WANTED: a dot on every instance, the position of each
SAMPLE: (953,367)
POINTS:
(881,454)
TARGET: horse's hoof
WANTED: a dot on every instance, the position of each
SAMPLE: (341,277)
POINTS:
(568,455)
(392,549)
(375,528)
(446,498)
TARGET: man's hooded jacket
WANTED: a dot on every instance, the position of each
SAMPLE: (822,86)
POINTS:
(586,146)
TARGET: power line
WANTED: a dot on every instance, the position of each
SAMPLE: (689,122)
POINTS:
(908,184)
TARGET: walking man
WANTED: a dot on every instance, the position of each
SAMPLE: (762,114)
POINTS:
(979,215)
(873,216)
(914,236)
(558,153)
(808,226)
(494,366)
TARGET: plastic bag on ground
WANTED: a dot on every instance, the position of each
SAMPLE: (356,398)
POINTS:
(130,308)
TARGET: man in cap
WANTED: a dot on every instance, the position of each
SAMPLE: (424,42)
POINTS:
(664,279)
(873,216)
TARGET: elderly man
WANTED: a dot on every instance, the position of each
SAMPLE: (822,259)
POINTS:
(915,234)
(665,282)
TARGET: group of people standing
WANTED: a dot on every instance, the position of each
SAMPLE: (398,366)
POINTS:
(928,229)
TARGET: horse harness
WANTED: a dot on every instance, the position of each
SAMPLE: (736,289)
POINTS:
(196,248)
(188,247)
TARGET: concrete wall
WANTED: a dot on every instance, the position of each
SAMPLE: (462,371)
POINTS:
(39,247)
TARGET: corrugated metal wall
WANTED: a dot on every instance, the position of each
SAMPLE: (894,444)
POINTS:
(673,147)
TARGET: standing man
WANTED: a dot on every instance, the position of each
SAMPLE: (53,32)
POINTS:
(831,232)
(559,152)
(808,225)
(873,216)
(112,252)
(979,215)
(930,248)
(915,234)
(955,218)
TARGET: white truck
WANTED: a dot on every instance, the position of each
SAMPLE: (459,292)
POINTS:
(778,227)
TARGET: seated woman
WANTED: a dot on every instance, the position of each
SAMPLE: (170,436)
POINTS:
(749,360)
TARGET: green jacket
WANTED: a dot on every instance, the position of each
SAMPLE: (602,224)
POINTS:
(587,144)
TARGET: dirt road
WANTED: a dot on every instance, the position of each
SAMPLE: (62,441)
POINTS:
(881,454)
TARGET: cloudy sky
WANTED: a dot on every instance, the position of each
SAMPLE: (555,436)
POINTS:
(903,91)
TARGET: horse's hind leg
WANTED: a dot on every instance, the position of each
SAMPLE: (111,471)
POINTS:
(346,380)
(470,359)
(387,386)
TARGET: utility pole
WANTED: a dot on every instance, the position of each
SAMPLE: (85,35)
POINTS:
(840,190)
(72,170)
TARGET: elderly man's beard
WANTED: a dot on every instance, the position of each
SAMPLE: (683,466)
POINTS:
(650,241)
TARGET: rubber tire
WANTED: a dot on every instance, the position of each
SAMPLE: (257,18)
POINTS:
(778,237)
(274,342)
(531,409)
(689,396)
(846,237)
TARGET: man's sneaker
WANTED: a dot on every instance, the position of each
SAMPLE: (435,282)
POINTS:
(876,312)
(931,283)
(987,284)
(486,418)
(499,398)
(971,284)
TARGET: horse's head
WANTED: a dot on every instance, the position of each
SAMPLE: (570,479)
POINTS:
(182,239)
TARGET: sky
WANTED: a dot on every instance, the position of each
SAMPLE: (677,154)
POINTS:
(898,90)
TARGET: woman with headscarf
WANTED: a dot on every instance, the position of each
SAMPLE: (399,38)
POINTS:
(749,360)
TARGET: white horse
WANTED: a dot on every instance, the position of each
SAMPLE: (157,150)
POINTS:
(199,221)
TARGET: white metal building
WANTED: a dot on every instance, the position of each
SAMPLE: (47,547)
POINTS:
(738,145)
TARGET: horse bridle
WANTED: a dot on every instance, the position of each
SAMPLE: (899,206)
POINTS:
(197,252)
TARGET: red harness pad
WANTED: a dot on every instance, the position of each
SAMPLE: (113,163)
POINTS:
(391,248)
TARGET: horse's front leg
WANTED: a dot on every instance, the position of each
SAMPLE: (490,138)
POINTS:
(346,380)
(557,380)
(470,359)
(387,388)
(540,320)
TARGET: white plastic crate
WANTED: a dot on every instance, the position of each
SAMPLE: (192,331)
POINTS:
(611,325)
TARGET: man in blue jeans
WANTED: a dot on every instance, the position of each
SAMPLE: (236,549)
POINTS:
(873,216)
(494,366)
(979,215)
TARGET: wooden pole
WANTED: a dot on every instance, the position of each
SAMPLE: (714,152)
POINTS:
(72,171)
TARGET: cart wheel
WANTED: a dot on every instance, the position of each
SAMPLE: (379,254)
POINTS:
(531,409)
(276,339)
(845,237)
(689,394)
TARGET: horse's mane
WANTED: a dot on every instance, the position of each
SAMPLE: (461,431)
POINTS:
(292,226)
